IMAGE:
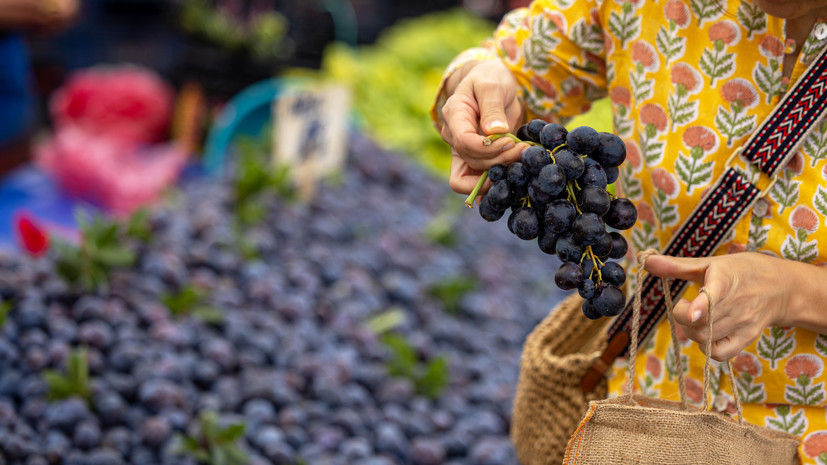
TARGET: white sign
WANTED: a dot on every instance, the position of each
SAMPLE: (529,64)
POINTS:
(310,132)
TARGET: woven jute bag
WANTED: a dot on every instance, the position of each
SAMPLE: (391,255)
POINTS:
(548,404)
(637,429)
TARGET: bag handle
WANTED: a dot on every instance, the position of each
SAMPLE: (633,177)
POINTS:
(731,197)
(675,346)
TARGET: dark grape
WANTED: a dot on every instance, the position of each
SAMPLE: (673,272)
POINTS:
(612,174)
(621,214)
(588,268)
(526,224)
(552,179)
(547,240)
(568,276)
(552,135)
(560,215)
(534,128)
(619,246)
(593,199)
(583,140)
(611,150)
(613,273)
(488,212)
(535,158)
(522,133)
(603,247)
(497,172)
(537,196)
(593,175)
(500,195)
(587,288)
(572,164)
(588,228)
(589,311)
(609,300)
(567,249)
(516,175)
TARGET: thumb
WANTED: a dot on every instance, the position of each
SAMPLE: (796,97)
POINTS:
(493,119)
(686,268)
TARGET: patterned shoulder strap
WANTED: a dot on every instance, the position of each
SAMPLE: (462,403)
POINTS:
(733,195)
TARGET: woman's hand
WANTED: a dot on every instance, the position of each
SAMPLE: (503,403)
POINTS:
(482,100)
(750,291)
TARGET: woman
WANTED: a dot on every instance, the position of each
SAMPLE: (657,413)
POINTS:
(688,81)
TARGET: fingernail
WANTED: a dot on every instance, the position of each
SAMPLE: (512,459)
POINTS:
(696,315)
(497,124)
(508,145)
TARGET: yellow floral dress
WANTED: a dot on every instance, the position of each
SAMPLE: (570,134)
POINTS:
(689,80)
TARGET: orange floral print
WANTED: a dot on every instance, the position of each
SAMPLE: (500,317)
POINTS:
(815,444)
(678,12)
(644,54)
(685,75)
(803,217)
(700,136)
(739,90)
(771,47)
(664,181)
(725,31)
(620,96)
(803,365)
(633,155)
(653,366)
(746,363)
(645,213)
(653,114)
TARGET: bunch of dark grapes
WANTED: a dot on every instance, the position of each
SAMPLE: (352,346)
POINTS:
(557,195)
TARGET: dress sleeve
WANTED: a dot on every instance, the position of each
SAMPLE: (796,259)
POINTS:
(555,48)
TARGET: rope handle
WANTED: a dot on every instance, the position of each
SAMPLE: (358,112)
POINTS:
(676,350)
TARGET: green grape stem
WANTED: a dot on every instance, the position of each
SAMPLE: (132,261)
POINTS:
(493,137)
(572,197)
(595,261)
(472,197)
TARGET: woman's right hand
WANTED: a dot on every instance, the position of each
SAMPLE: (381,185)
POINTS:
(482,100)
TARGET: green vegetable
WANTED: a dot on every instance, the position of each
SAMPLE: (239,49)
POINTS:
(213,445)
(74,383)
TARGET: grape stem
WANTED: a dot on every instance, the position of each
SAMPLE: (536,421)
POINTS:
(595,261)
(490,139)
(472,197)
(572,197)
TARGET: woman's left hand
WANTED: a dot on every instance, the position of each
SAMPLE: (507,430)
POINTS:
(749,291)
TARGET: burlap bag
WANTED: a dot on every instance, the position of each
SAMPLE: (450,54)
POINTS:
(549,404)
(639,430)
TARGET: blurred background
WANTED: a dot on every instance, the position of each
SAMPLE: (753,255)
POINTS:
(227,238)
(190,57)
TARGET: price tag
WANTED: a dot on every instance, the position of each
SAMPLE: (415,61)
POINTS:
(310,132)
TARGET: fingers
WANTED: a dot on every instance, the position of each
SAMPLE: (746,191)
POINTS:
(686,268)
(462,178)
(490,96)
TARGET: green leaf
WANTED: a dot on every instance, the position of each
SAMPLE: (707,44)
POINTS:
(232,432)
(434,378)
(5,309)
(386,321)
(235,455)
(208,314)
(138,226)
(403,357)
(450,291)
(114,256)
(218,456)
